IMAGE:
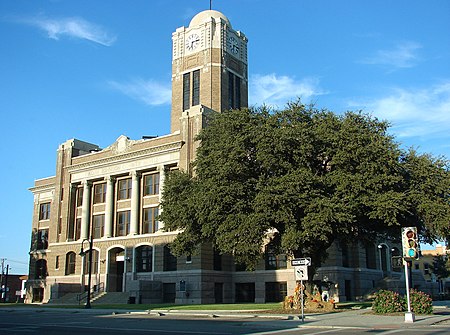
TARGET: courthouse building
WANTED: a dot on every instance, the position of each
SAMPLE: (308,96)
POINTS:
(113,194)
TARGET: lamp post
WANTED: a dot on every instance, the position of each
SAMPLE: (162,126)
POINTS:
(82,254)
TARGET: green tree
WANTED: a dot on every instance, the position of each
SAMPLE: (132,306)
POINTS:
(441,266)
(307,177)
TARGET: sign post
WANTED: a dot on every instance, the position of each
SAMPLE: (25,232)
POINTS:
(301,273)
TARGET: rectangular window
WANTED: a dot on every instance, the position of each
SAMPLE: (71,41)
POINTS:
(77,228)
(57,263)
(99,193)
(237,88)
(42,239)
(44,211)
(186,90)
(123,223)
(79,196)
(98,225)
(124,191)
(275,261)
(230,90)
(151,184)
(150,224)
(196,88)
(276,291)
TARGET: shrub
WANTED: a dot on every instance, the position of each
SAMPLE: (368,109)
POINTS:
(388,302)
(421,303)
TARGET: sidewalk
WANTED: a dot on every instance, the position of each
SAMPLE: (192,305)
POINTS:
(362,318)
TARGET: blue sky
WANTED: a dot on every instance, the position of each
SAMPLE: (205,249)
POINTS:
(95,69)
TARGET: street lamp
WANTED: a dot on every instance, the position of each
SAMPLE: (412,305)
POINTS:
(82,254)
(381,256)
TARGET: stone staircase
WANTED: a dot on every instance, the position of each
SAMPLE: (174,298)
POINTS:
(99,299)
(111,298)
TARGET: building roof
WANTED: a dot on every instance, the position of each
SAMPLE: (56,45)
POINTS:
(206,16)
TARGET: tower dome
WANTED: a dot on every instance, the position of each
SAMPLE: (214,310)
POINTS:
(206,16)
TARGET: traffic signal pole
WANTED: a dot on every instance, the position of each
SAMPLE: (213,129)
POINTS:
(409,316)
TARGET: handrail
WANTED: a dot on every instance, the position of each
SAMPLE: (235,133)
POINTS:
(95,290)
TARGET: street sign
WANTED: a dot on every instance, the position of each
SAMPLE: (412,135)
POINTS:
(301,261)
(301,272)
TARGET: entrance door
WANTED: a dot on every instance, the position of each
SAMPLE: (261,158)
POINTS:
(116,268)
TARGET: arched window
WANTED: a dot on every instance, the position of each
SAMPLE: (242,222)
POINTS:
(144,258)
(170,261)
(70,263)
(94,268)
(41,269)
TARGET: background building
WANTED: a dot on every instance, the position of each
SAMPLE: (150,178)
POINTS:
(113,195)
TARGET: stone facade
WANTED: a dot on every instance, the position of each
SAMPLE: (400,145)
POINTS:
(112,195)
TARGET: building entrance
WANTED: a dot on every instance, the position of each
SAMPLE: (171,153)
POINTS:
(116,268)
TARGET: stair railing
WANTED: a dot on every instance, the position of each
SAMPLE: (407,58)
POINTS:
(95,291)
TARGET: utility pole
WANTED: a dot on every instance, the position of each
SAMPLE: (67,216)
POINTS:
(1,278)
(6,283)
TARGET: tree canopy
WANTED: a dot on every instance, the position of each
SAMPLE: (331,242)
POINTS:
(307,177)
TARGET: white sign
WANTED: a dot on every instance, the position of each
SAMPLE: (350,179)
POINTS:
(301,261)
(301,272)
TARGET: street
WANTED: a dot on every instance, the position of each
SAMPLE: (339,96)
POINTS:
(71,322)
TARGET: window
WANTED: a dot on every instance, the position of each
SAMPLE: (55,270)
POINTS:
(196,88)
(99,193)
(217,261)
(123,223)
(70,263)
(56,262)
(79,196)
(144,259)
(170,261)
(151,184)
(98,225)
(234,91)
(426,268)
(42,239)
(275,291)
(150,224)
(274,261)
(44,211)
(230,90)
(245,292)
(186,90)
(41,269)
(94,268)
(124,191)
(78,229)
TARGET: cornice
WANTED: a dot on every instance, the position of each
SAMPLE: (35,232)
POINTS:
(125,157)
(42,188)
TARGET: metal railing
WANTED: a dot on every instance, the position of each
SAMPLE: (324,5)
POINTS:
(95,291)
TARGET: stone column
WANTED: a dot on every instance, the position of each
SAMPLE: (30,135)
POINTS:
(134,217)
(162,177)
(85,209)
(109,207)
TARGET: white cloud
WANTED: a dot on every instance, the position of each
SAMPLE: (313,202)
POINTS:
(415,112)
(147,91)
(73,27)
(276,90)
(403,55)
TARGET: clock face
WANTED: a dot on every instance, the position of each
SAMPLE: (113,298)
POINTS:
(192,42)
(233,44)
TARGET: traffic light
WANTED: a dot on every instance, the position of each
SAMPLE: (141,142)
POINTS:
(410,243)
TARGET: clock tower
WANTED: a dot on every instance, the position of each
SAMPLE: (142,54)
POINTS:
(209,70)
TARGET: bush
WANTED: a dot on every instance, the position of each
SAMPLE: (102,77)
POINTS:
(421,303)
(388,302)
